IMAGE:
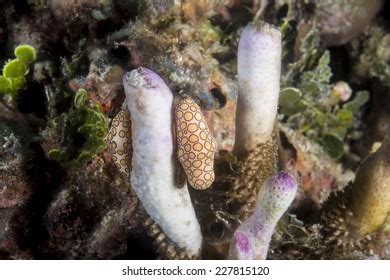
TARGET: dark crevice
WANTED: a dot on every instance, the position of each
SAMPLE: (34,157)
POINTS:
(340,64)
(120,55)
(241,15)
(307,211)
(104,28)
(4,255)
(32,100)
(287,146)
(282,12)
(219,97)
(386,10)
(128,9)
(217,229)
(233,207)
(21,7)
(139,247)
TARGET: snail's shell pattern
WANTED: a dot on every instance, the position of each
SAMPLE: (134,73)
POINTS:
(119,141)
(195,144)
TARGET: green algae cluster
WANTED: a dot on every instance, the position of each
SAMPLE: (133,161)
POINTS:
(15,70)
(82,132)
(307,101)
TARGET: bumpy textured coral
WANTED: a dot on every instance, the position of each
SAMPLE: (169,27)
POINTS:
(153,174)
(119,141)
(251,239)
(258,71)
(195,144)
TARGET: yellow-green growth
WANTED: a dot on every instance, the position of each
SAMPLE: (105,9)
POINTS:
(15,70)
(82,132)
(371,191)
(26,53)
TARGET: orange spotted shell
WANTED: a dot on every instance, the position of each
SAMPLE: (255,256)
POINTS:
(119,141)
(195,144)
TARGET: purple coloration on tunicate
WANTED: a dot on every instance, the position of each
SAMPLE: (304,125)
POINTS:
(242,242)
(253,236)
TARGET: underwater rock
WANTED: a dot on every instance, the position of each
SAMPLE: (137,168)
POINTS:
(196,11)
(371,56)
(15,135)
(315,171)
(93,214)
(76,9)
(341,21)
(15,188)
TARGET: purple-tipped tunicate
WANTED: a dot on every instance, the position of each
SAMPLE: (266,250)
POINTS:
(251,239)
(154,167)
(259,60)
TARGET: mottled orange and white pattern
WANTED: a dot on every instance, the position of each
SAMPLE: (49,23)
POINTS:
(119,141)
(195,144)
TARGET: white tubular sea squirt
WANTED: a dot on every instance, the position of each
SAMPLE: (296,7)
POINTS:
(259,60)
(251,239)
(150,103)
